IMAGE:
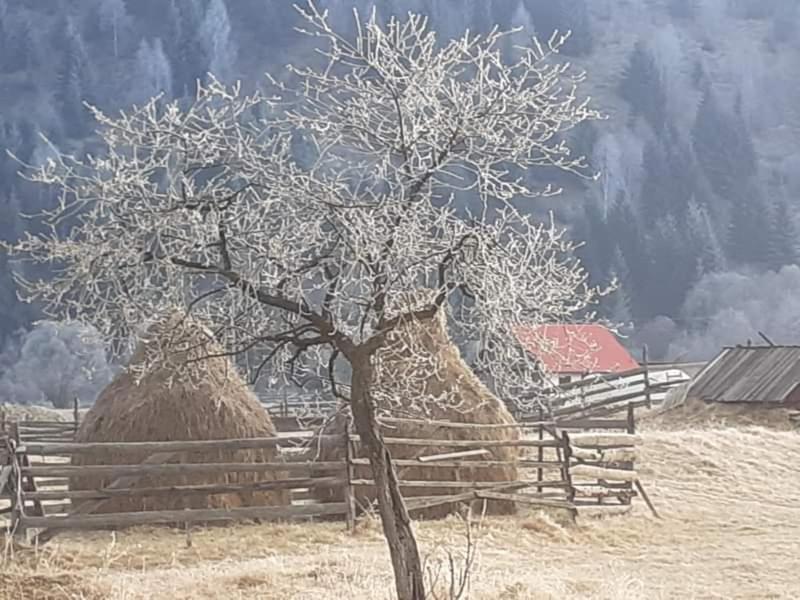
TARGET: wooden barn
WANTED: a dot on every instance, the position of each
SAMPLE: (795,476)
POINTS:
(765,375)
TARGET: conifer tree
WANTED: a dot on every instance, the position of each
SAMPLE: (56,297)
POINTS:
(643,88)
(750,228)
(190,58)
(723,147)
(783,242)
(216,37)
(73,80)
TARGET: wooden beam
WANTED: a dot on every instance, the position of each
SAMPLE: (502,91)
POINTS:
(463,454)
(90,507)
(523,499)
(155,517)
(178,469)
(603,473)
(46,449)
(188,490)
(465,484)
(604,440)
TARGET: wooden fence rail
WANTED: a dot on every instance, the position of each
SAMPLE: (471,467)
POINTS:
(574,462)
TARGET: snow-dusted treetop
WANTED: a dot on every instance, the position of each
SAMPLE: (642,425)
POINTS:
(297,220)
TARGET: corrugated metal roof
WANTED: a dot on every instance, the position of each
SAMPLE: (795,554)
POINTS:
(749,374)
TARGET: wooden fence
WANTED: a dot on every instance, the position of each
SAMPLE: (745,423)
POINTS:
(558,468)
(608,395)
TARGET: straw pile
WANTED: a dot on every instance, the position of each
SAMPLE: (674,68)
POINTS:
(205,400)
(420,362)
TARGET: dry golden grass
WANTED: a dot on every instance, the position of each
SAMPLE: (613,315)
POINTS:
(731,529)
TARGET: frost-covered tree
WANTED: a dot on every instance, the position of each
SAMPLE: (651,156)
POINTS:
(152,74)
(783,240)
(54,364)
(74,79)
(113,21)
(190,50)
(204,209)
(216,36)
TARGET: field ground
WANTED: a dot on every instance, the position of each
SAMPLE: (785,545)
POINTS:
(730,498)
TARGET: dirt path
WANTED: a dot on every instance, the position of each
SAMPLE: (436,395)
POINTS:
(730,497)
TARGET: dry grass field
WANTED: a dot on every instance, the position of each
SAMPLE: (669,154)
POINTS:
(730,498)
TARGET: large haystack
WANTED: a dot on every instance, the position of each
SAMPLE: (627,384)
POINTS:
(421,362)
(172,401)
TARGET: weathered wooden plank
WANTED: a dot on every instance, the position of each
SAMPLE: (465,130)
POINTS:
(472,464)
(523,499)
(604,440)
(5,474)
(177,469)
(120,520)
(463,454)
(189,490)
(472,444)
(464,484)
(604,454)
(46,449)
(603,473)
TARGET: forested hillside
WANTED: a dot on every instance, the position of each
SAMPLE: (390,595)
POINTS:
(694,211)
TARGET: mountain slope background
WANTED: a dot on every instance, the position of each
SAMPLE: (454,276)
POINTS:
(695,209)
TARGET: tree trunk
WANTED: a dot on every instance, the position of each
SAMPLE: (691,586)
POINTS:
(394,516)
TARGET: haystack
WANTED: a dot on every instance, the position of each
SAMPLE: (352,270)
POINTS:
(420,361)
(177,398)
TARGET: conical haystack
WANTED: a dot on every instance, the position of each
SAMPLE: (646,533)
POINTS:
(420,361)
(179,398)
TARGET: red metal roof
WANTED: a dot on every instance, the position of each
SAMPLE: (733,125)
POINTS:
(576,348)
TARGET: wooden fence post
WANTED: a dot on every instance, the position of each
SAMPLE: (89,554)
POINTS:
(349,496)
(540,450)
(646,366)
(76,412)
(566,472)
(631,428)
(17,503)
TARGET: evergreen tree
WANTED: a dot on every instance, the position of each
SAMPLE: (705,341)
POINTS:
(671,269)
(703,240)
(723,147)
(783,246)
(750,227)
(216,37)
(113,22)
(669,179)
(73,80)
(643,88)
(618,304)
(152,73)
(624,228)
(190,59)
